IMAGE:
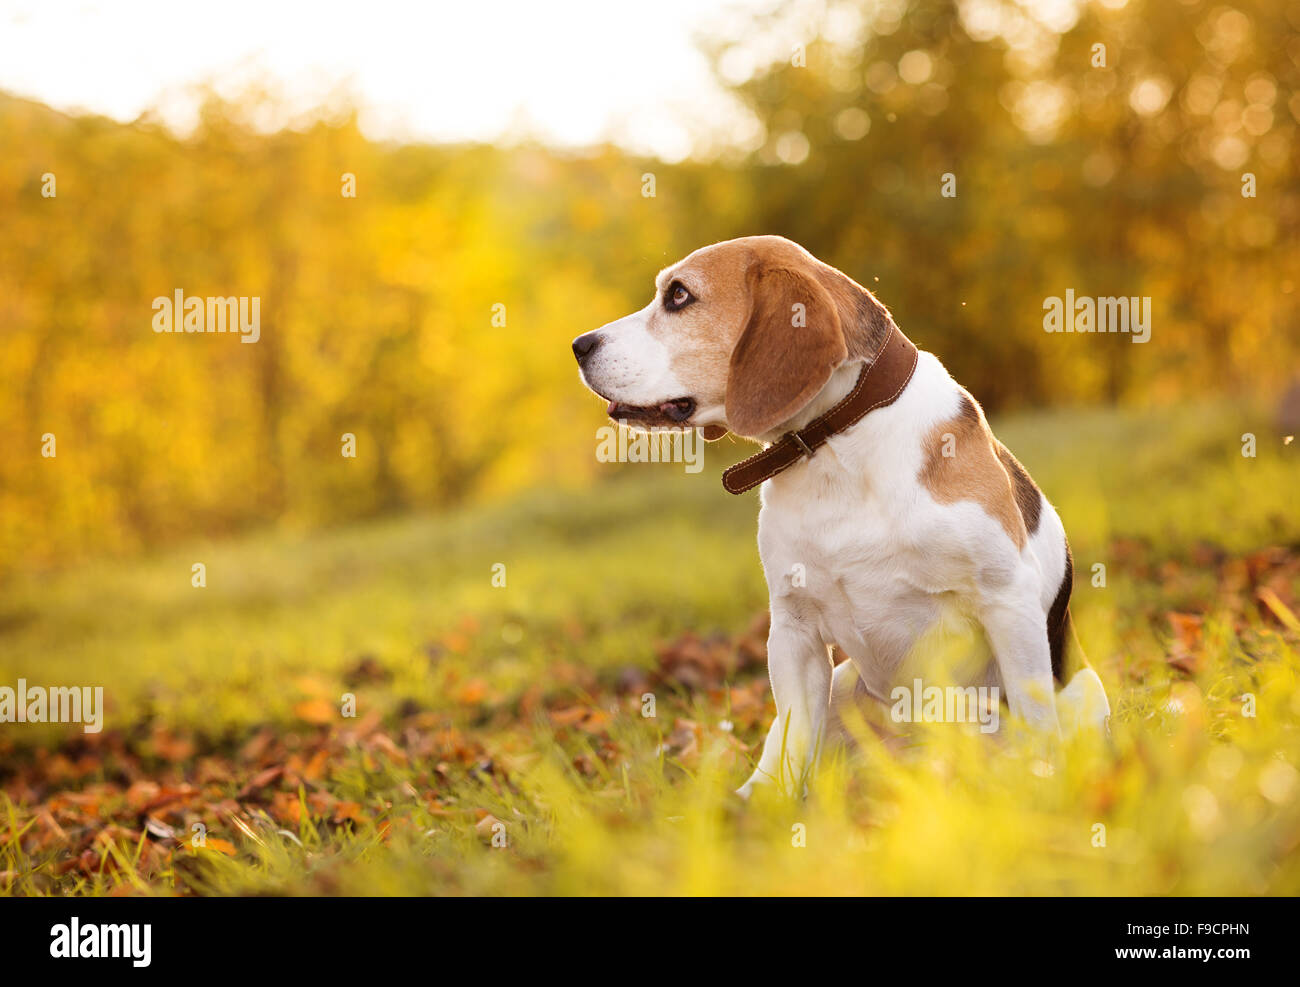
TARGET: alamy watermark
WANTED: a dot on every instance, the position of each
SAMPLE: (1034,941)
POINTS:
(1086,314)
(620,444)
(132,941)
(919,703)
(57,704)
(232,314)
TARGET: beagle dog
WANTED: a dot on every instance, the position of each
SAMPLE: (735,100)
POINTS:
(889,511)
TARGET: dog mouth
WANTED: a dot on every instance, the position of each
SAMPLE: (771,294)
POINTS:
(668,413)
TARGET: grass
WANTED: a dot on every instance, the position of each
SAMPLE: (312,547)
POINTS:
(512,714)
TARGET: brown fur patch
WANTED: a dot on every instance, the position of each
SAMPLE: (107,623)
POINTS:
(866,322)
(726,279)
(1028,497)
(778,367)
(702,336)
(973,471)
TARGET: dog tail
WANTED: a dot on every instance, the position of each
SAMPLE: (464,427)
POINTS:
(1081,656)
(1082,702)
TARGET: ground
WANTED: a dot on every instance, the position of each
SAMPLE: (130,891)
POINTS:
(500,742)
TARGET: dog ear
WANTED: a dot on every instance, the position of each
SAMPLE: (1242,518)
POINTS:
(786,353)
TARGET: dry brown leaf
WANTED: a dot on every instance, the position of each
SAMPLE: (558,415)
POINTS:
(261,780)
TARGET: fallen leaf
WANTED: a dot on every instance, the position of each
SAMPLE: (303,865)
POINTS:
(347,811)
(317,711)
(158,829)
(261,780)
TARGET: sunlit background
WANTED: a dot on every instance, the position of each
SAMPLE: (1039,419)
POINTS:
(500,153)
(572,73)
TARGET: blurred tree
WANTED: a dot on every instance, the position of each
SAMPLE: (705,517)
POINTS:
(380,312)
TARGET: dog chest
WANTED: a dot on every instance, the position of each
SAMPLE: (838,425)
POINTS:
(854,576)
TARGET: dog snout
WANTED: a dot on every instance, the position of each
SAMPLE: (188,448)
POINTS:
(585,345)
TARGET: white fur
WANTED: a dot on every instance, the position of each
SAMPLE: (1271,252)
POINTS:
(632,366)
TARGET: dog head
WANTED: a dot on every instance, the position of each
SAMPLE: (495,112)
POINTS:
(740,336)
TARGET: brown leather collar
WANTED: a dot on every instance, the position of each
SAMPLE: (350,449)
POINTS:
(878,385)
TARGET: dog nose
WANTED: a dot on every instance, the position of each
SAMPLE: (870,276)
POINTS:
(585,345)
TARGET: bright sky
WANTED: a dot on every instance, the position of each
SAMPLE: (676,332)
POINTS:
(568,71)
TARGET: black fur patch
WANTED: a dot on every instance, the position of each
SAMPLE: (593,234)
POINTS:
(1028,497)
(968,411)
(1058,619)
(876,318)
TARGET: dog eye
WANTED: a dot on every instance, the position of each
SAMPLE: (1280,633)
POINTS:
(677,297)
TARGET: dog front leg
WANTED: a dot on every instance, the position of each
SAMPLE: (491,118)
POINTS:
(799,666)
(1017,631)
